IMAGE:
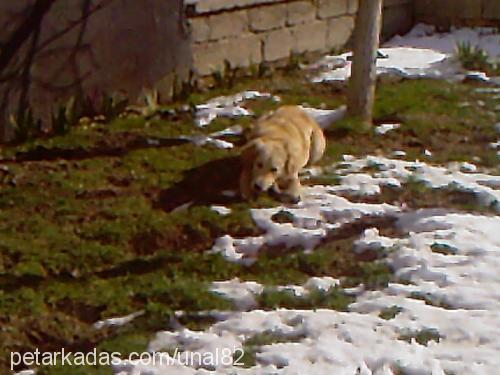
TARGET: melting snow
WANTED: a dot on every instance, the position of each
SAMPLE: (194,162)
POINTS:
(201,139)
(455,294)
(320,211)
(221,210)
(406,62)
(422,53)
(485,187)
(385,128)
(227,106)
(425,36)
(243,293)
(399,154)
(116,322)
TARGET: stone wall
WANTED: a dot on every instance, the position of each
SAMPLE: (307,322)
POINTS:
(458,12)
(60,49)
(246,32)
(86,48)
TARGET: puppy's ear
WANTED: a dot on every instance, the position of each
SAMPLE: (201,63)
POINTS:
(251,149)
(247,133)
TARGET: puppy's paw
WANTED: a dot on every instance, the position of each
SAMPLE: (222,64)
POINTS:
(290,190)
(294,199)
(285,198)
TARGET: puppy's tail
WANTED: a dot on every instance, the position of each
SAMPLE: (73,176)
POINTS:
(326,117)
(318,144)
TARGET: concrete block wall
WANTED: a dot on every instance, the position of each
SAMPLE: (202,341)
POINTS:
(246,32)
(88,49)
(458,12)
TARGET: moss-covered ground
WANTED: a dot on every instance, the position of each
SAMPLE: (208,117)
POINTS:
(115,218)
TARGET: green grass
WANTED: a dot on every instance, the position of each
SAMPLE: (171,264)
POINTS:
(252,345)
(334,299)
(91,234)
(422,336)
(389,313)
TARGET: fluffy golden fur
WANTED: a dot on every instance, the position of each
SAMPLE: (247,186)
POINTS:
(279,145)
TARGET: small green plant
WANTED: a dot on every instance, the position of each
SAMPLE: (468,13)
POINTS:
(294,61)
(112,106)
(259,70)
(66,116)
(184,88)
(227,77)
(264,70)
(102,104)
(472,57)
(25,125)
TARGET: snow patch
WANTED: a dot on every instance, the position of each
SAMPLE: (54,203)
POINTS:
(241,293)
(320,212)
(399,154)
(454,294)
(201,139)
(405,62)
(495,145)
(117,322)
(227,106)
(485,187)
(385,128)
(221,210)
(422,53)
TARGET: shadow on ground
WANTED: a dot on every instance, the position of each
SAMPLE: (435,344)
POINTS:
(104,149)
(215,182)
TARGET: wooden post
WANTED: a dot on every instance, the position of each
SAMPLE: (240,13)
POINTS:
(361,95)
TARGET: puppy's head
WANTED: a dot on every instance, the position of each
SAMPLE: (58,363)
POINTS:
(265,160)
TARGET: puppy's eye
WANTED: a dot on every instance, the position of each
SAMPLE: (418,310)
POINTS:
(274,169)
(260,165)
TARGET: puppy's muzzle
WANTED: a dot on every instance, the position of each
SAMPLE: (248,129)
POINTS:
(258,187)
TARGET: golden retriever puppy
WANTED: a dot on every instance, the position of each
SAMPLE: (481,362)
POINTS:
(279,145)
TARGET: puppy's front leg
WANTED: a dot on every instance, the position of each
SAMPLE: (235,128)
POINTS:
(291,188)
(294,190)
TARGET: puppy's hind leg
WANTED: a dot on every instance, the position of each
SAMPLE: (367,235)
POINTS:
(318,145)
